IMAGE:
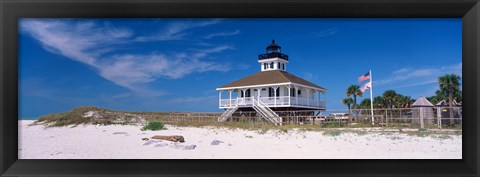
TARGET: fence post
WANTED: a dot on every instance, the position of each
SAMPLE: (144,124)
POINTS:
(439,115)
(386,116)
(421,120)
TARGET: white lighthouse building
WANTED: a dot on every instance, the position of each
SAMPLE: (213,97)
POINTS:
(270,90)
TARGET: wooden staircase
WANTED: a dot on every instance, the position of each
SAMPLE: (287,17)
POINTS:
(267,113)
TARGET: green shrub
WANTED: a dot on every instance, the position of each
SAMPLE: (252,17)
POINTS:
(360,133)
(154,126)
(395,138)
(442,136)
(262,131)
(283,130)
(332,125)
(422,134)
(332,133)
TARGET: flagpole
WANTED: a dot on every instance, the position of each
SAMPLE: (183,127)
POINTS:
(371,99)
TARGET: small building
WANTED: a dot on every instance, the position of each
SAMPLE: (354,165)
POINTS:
(271,90)
(422,112)
(444,113)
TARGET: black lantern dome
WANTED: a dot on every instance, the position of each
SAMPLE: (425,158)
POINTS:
(273,51)
(273,47)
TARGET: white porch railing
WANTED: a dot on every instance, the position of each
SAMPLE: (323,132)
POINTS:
(273,101)
(269,101)
(245,101)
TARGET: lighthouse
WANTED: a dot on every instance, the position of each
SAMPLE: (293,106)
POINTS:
(271,90)
(273,59)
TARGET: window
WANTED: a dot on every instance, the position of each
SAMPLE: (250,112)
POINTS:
(247,93)
(278,66)
(264,66)
(299,92)
(292,92)
(271,92)
(283,66)
(271,65)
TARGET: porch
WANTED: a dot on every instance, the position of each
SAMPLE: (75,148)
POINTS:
(281,101)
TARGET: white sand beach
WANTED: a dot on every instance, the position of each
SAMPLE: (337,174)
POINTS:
(125,142)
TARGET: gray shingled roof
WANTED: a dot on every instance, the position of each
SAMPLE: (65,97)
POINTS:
(270,77)
(444,103)
(422,102)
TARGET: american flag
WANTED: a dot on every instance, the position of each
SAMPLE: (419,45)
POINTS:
(366,76)
(366,86)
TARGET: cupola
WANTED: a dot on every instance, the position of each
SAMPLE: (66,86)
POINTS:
(273,59)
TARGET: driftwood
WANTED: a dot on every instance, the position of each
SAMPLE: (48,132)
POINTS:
(174,138)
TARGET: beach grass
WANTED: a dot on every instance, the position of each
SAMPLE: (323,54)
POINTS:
(73,117)
(333,133)
(154,126)
(77,116)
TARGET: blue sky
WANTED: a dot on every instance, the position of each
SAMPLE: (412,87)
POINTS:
(176,64)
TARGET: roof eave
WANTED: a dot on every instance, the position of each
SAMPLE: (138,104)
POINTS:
(266,85)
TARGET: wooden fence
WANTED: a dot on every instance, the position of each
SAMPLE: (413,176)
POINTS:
(405,117)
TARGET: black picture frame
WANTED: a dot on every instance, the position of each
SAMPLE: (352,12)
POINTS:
(11,10)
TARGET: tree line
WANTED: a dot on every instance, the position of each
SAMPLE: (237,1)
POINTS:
(448,90)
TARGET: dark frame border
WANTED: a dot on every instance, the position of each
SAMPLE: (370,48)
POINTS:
(11,10)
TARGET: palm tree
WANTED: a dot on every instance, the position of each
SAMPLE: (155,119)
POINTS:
(403,101)
(348,102)
(354,90)
(390,96)
(365,104)
(409,101)
(449,83)
(378,102)
(443,95)
(434,99)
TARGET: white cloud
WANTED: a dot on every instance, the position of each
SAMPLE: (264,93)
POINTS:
(400,71)
(177,31)
(222,34)
(325,33)
(204,52)
(74,40)
(88,42)
(409,77)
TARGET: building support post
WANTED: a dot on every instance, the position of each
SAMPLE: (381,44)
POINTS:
(296,93)
(220,98)
(288,86)
(325,100)
(230,96)
(308,97)
(275,95)
(259,89)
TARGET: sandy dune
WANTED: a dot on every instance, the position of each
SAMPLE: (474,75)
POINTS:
(125,142)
